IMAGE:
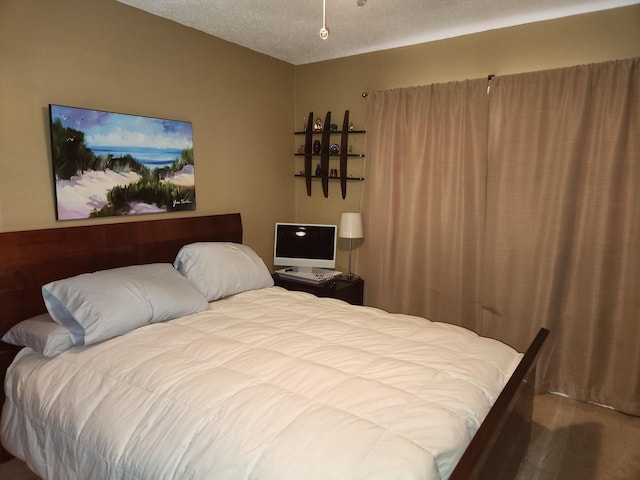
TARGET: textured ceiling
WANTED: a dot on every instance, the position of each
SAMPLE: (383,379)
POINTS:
(288,29)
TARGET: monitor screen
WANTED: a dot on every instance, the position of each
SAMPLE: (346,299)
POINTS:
(305,245)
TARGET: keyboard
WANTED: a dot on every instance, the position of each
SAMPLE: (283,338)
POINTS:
(309,277)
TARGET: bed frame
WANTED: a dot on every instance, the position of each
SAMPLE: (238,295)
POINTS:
(32,258)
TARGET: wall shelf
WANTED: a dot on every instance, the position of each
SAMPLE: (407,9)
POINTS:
(324,155)
(360,155)
(348,179)
(331,132)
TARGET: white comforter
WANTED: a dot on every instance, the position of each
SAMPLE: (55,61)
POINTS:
(268,384)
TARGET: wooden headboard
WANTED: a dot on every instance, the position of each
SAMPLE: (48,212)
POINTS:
(30,259)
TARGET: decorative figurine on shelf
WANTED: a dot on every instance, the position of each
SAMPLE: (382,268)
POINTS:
(351,128)
(334,173)
(304,124)
(317,126)
(300,148)
(333,127)
(334,149)
(317,147)
(318,170)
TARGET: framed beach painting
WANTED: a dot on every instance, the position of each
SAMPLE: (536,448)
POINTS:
(113,164)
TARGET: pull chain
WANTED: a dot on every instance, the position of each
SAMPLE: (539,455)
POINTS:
(324,31)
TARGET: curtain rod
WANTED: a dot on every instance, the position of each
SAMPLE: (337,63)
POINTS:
(489,78)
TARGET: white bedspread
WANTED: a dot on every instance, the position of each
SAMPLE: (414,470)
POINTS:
(268,384)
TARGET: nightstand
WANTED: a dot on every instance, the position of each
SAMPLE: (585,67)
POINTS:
(351,291)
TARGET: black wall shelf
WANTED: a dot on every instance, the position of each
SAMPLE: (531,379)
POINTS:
(348,179)
(324,155)
(360,155)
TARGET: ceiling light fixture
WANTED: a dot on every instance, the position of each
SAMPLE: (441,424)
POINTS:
(324,31)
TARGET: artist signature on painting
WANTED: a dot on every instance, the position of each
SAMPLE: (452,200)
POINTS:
(182,201)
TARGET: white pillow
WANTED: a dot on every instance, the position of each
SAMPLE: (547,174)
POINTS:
(220,269)
(101,305)
(41,334)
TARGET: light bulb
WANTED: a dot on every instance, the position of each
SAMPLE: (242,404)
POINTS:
(324,32)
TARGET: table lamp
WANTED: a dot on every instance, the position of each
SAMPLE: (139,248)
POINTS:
(350,227)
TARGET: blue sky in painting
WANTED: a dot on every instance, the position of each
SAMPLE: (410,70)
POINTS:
(106,129)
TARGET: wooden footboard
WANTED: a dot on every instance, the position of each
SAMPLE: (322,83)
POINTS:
(501,442)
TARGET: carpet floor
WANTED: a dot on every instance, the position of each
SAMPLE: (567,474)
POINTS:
(573,440)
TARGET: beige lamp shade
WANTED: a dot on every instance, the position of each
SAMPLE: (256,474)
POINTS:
(350,225)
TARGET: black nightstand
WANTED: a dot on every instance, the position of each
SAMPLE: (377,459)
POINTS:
(351,291)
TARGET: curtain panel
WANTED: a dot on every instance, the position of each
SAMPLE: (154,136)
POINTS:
(425,188)
(515,208)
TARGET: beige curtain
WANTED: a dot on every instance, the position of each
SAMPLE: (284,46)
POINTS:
(514,214)
(426,157)
(563,214)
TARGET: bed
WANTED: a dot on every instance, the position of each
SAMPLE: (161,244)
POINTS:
(258,382)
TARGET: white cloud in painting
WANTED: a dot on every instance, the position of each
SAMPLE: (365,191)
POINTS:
(106,129)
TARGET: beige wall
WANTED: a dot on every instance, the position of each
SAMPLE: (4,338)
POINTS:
(337,85)
(108,56)
(244,106)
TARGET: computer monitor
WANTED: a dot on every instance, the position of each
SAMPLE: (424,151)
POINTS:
(305,246)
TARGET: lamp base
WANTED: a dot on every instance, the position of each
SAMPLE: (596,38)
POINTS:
(349,277)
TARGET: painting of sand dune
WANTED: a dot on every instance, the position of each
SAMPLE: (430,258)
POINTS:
(111,164)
